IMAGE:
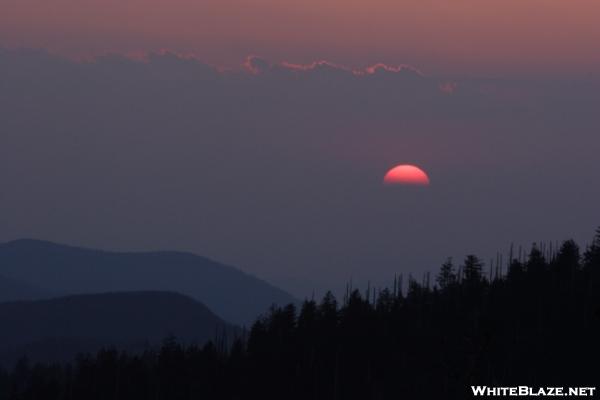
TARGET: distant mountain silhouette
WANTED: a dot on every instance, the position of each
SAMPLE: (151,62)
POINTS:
(11,290)
(58,329)
(233,295)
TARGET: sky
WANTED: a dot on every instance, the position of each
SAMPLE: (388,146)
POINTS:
(258,133)
(491,38)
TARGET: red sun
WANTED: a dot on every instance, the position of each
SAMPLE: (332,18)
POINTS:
(406,174)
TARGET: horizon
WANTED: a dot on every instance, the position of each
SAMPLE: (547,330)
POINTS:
(498,262)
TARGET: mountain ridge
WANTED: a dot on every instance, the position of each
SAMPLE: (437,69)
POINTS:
(14,290)
(59,328)
(234,295)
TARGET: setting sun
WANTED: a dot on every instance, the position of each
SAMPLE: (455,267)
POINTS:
(406,175)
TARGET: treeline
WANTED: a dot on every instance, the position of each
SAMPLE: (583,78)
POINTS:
(537,324)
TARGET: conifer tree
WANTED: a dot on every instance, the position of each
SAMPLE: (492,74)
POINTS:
(446,276)
(472,268)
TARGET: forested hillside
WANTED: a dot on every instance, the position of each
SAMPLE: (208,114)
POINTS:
(536,323)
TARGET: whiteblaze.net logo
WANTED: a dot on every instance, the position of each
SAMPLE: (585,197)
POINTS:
(528,391)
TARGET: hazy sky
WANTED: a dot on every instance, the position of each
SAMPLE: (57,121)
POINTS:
(278,168)
(492,37)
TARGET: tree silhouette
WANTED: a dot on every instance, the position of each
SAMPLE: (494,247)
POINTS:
(472,268)
(566,265)
(525,328)
(446,276)
(536,263)
(592,254)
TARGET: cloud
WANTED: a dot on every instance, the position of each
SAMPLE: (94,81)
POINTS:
(448,87)
(383,68)
(256,65)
